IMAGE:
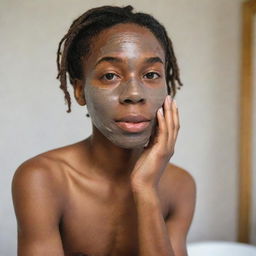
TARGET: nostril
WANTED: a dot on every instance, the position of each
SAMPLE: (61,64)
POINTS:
(130,101)
(127,101)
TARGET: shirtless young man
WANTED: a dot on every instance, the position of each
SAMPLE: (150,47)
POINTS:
(114,193)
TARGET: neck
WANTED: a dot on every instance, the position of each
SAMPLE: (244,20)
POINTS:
(110,161)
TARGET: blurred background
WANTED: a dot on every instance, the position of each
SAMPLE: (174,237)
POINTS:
(207,40)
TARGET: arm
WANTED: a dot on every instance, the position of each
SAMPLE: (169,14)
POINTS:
(154,237)
(181,214)
(37,207)
(157,237)
(152,231)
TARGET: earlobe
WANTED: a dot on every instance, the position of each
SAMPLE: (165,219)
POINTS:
(79,92)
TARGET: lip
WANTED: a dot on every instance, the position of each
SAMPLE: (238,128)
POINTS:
(133,127)
(133,123)
(133,119)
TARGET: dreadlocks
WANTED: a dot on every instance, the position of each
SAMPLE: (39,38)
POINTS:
(78,40)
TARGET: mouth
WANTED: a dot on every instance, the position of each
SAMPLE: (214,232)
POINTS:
(133,123)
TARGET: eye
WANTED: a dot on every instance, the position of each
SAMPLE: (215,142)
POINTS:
(109,76)
(152,75)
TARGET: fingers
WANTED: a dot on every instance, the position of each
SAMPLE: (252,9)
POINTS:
(176,121)
(168,106)
(162,133)
(170,123)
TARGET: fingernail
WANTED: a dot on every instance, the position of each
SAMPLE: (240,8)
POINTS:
(169,99)
(161,111)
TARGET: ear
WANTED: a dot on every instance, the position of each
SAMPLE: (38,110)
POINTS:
(79,91)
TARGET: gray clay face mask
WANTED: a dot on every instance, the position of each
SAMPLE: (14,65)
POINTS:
(125,75)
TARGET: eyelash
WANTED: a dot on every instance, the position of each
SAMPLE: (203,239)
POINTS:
(110,73)
(104,77)
(154,73)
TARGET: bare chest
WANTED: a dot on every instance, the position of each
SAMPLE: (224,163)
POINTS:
(100,221)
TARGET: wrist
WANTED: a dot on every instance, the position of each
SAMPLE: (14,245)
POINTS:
(142,188)
(145,193)
(139,185)
(146,199)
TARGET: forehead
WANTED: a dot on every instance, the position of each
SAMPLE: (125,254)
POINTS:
(126,40)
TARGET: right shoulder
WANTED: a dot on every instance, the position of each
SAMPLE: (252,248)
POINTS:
(38,199)
(39,167)
(41,176)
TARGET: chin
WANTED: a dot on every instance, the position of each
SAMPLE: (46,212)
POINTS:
(131,142)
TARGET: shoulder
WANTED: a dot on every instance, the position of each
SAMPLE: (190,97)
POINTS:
(181,190)
(179,177)
(41,166)
(181,187)
(40,177)
(38,200)
(48,170)
(47,166)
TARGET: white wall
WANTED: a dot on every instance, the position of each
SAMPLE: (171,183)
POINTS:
(206,36)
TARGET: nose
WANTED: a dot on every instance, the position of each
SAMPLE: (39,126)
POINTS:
(132,92)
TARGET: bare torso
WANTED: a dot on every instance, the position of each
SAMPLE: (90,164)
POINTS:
(99,220)
(98,217)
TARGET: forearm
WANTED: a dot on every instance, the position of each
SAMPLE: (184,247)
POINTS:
(152,231)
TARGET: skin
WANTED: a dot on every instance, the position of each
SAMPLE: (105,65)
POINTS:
(113,193)
(129,88)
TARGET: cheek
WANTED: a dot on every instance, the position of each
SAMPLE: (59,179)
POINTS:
(104,102)
(99,102)
(157,98)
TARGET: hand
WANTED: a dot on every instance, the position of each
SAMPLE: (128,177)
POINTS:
(154,159)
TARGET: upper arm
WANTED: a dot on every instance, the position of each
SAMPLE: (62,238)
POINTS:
(37,209)
(181,214)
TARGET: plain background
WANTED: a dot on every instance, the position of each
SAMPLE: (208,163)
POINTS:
(206,37)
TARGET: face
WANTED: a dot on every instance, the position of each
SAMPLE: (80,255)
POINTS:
(124,84)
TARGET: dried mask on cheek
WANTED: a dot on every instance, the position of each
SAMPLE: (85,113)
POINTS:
(103,106)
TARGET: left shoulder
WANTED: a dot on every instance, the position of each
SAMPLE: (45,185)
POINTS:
(179,178)
(180,186)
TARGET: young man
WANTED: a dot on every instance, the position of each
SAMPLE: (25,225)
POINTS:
(113,193)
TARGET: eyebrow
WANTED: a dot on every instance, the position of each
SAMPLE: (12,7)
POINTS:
(153,60)
(150,60)
(109,59)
